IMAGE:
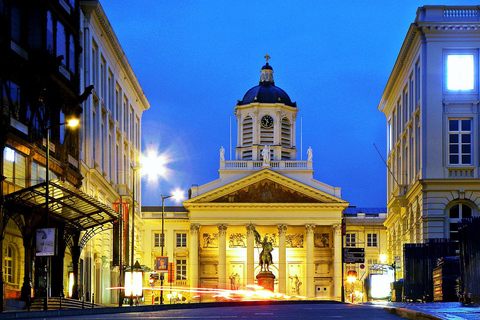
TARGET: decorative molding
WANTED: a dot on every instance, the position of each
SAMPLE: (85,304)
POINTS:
(322,240)
(194,228)
(237,240)
(222,230)
(210,240)
(309,229)
(294,240)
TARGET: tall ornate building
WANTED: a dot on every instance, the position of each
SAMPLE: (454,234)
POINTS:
(431,106)
(110,146)
(210,239)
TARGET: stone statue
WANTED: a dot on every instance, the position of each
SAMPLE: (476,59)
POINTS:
(265,257)
(296,283)
(222,154)
(266,155)
(234,281)
(309,154)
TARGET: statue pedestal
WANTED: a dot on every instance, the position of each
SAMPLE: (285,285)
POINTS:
(266,280)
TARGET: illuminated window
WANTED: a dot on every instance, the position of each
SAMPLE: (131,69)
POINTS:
(350,241)
(156,240)
(14,168)
(8,266)
(181,269)
(181,240)
(460,72)
(460,141)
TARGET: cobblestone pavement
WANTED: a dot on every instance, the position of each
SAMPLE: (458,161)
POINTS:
(441,310)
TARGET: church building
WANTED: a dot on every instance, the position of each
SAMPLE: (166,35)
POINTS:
(266,189)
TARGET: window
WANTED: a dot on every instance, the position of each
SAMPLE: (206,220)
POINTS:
(372,240)
(460,72)
(350,239)
(286,133)
(49,32)
(14,167)
(456,213)
(156,240)
(460,141)
(247,132)
(181,240)
(8,266)
(38,173)
(61,41)
(181,269)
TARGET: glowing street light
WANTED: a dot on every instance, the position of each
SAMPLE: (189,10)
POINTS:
(72,122)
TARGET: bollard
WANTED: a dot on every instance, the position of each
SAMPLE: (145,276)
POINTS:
(93,300)
(83,302)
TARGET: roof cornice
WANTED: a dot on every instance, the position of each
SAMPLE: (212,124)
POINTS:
(96,8)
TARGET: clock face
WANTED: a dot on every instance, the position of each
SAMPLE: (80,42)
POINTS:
(267,121)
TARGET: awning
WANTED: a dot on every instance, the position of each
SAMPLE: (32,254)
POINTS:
(67,204)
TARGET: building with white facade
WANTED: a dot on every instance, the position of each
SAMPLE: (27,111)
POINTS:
(431,103)
(110,143)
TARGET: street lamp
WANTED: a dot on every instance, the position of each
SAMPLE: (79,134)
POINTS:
(73,122)
(133,226)
(178,196)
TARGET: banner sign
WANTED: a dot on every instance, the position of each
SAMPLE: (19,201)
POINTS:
(45,242)
(161,264)
(124,207)
(171,272)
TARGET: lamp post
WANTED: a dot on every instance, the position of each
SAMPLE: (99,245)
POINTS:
(133,226)
(162,243)
(71,123)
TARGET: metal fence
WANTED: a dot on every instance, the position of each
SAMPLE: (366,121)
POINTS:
(468,232)
(419,261)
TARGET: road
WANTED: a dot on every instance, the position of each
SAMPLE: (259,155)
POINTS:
(286,311)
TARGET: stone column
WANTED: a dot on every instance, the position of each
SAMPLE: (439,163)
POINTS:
(337,261)
(222,256)
(310,283)
(194,228)
(282,259)
(250,255)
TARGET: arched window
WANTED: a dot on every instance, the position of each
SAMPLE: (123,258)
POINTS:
(456,213)
(8,267)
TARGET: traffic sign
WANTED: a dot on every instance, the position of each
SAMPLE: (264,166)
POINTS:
(354,250)
(362,266)
(354,260)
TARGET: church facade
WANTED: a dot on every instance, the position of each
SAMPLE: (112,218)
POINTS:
(265,189)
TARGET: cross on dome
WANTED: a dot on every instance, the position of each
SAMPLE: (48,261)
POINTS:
(267,57)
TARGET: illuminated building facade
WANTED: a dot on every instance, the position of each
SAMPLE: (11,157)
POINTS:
(210,239)
(431,106)
(110,145)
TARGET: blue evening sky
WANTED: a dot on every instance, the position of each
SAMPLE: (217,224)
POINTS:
(195,59)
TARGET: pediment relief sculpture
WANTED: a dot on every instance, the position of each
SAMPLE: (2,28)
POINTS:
(267,191)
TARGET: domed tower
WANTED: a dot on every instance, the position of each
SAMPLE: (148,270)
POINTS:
(266,117)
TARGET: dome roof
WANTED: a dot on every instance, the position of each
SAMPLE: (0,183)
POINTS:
(266,91)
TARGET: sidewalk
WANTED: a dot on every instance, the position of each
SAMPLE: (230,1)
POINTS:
(436,310)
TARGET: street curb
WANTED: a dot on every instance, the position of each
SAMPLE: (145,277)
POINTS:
(148,308)
(410,314)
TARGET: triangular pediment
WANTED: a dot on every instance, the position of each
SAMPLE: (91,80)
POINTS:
(267,191)
(266,187)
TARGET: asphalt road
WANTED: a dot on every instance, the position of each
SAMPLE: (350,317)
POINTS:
(287,311)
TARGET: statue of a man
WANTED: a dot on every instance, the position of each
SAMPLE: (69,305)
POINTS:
(266,155)
(222,154)
(265,257)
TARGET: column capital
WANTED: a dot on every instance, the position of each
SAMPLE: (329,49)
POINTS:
(250,227)
(282,229)
(337,229)
(222,229)
(194,228)
(310,228)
